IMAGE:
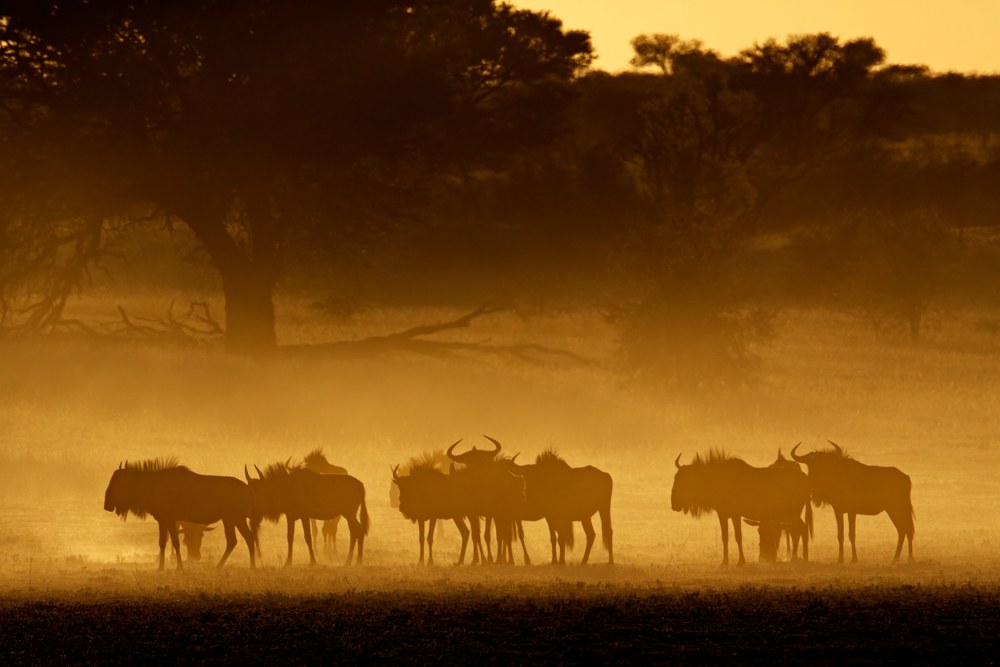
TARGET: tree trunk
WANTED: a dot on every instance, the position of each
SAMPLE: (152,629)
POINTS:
(248,276)
(249,310)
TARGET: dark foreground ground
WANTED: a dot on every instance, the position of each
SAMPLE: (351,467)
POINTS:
(948,624)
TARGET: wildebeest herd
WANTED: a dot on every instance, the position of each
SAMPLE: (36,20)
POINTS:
(483,490)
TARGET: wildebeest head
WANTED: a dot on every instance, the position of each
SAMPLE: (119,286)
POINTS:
(128,487)
(192,534)
(266,491)
(833,454)
(117,491)
(770,538)
(694,483)
(436,459)
(475,457)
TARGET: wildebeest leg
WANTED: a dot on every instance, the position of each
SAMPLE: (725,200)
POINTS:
(724,526)
(486,540)
(738,534)
(163,542)
(309,542)
(524,547)
(464,532)
(588,529)
(477,544)
(332,525)
(420,536)
(230,530)
(357,539)
(291,537)
(175,542)
(851,520)
(430,541)
(241,525)
(552,539)
(899,546)
(840,535)
(804,533)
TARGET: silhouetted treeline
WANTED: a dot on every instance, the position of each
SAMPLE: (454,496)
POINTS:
(457,151)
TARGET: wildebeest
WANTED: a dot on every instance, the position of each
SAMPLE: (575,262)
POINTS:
(485,488)
(563,494)
(192,535)
(170,493)
(427,494)
(854,488)
(770,532)
(301,495)
(733,489)
(316,461)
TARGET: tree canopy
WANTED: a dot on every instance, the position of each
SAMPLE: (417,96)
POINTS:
(248,120)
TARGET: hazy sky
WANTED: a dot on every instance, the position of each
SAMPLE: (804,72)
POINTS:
(960,35)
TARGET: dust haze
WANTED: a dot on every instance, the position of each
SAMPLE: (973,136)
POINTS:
(233,237)
(74,412)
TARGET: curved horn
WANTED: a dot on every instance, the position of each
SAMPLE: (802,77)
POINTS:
(796,457)
(451,449)
(259,473)
(677,461)
(120,464)
(395,473)
(288,463)
(494,442)
(246,473)
(514,458)
(836,446)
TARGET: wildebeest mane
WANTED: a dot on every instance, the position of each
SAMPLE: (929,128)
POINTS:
(435,460)
(550,457)
(279,469)
(154,465)
(714,457)
(315,457)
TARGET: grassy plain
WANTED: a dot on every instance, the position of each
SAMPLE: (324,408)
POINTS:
(70,411)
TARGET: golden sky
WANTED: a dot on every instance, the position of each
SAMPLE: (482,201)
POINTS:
(960,35)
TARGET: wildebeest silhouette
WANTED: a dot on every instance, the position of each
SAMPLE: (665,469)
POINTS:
(487,488)
(564,494)
(192,535)
(733,489)
(316,461)
(301,495)
(427,494)
(852,487)
(170,493)
(770,532)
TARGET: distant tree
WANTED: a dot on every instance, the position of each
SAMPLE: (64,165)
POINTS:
(259,124)
(720,143)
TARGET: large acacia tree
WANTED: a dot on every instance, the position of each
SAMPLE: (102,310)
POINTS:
(250,121)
